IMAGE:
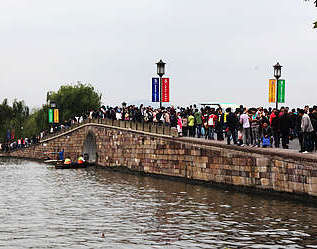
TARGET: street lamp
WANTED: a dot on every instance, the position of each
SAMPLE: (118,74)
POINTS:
(277,75)
(160,72)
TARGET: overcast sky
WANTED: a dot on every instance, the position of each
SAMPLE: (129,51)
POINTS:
(215,50)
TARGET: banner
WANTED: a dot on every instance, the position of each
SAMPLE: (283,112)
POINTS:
(165,90)
(155,90)
(50,116)
(281,91)
(56,116)
(272,91)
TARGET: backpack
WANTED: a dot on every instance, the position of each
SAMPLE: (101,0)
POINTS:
(266,141)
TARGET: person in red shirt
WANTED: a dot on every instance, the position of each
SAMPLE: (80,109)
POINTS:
(212,119)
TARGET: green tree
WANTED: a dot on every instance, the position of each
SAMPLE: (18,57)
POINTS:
(6,115)
(37,122)
(12,117)
(72,100)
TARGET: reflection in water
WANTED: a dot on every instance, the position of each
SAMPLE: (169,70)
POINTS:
(44,207)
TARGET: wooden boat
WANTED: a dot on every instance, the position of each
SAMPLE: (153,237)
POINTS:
(52,161)
(73,165)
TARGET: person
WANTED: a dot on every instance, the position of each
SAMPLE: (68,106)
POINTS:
(285,123)
(275,124)
(307,129)
(266,135)
(219,125)
(61,155)
(67,161)
(211,124)
(191,125)
(80,159)
(255,124)
(244,120)
(179,125)
(231,126)
(199,122)
(185,125)
(313,119)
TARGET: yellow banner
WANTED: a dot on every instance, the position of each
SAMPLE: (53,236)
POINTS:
(272,91)
(56,116)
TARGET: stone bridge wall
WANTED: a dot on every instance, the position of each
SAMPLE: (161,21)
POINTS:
(257,169)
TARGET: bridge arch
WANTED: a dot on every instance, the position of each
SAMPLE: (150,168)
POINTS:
(90,147)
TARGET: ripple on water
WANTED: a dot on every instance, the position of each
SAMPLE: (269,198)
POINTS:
(41,207)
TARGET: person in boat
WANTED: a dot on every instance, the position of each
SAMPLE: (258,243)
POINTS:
(61,155)
(67,161)
(80,159)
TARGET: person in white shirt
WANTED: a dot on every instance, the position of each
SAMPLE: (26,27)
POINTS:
(244,120)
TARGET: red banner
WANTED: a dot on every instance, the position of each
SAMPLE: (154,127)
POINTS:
(165,90)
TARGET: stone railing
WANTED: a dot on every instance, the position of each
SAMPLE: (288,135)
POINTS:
(155,128)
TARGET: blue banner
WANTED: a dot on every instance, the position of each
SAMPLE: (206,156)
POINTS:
(155,90)
(8,134)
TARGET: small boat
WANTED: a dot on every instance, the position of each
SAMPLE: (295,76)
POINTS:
(61,165)
(52,161)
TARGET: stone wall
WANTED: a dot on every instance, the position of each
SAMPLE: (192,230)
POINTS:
(257,169)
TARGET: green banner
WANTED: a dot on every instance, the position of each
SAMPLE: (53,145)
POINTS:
(281,91)
(50,116)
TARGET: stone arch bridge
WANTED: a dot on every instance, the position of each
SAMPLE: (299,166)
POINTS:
(157,150)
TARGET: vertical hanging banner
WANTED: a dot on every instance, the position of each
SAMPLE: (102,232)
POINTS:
(50,116)
(165,90)
(281,91)
(56,116)
(155,90)
(272,91)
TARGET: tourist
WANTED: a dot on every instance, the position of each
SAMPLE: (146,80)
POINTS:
(231,126)
(219,125)
(245,122)
(285,123)
(198,122)
(275,125)
(255,124)
(266,134)
(306,129)
(191,124)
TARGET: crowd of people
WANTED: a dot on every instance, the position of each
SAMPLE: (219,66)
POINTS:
(242,126)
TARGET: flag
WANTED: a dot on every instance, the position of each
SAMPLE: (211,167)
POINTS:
(272,92)
(56,116)
(281,91)
(50,116)
(155,90)
(165,90)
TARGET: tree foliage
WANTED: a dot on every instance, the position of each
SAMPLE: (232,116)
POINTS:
(71,100)
(13,117)
(75,99)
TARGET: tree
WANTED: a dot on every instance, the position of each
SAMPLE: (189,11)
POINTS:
(12,118)
(74,100)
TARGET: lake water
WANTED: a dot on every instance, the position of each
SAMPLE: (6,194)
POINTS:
(41,207)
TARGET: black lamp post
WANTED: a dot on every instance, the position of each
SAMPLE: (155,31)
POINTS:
(277,75)
(160,72)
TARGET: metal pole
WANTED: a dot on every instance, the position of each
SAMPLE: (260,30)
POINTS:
(160,92)
(276,94)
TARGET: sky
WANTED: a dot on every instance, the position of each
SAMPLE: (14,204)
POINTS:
(216,51)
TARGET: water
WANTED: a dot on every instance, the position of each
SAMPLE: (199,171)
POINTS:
(41,207)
